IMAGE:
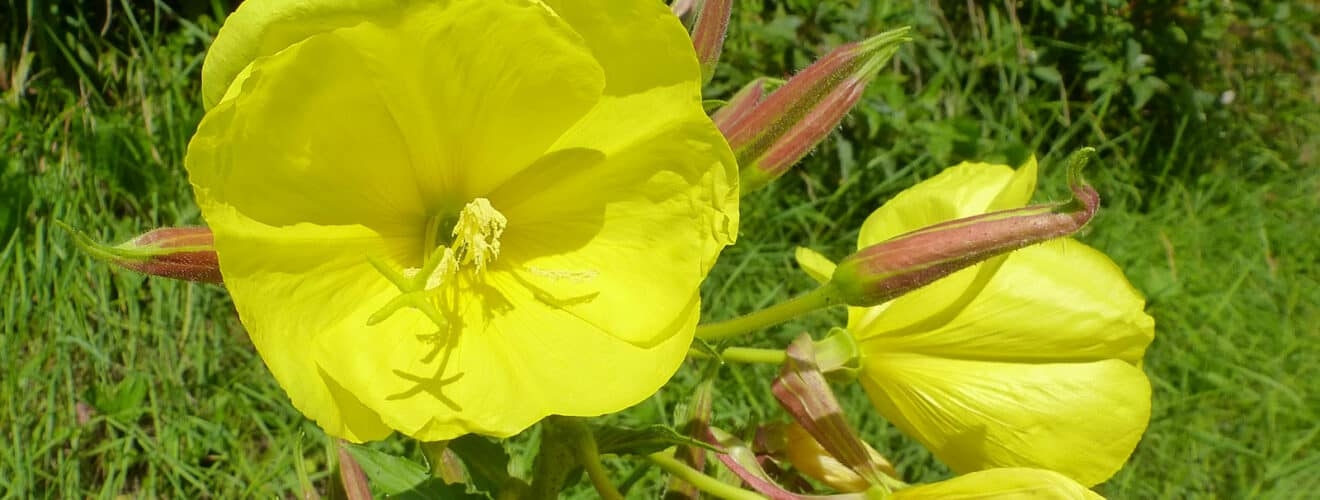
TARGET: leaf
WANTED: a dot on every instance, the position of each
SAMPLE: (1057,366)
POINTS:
(389,474)
(642,441)
(398,477)
(487,461)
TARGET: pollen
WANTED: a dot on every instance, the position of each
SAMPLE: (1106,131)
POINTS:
(477,234)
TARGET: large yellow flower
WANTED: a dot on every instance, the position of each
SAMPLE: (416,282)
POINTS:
(545,165)
(1027,360)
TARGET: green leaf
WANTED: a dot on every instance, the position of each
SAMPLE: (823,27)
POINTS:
(390,474)
(641,441)
(487,461)
(398,477)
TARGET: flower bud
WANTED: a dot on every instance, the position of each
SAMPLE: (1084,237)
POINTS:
(740,105)
(811,459)
(182,253)
(708,34)
(879,273)
(798,116)
(802,390)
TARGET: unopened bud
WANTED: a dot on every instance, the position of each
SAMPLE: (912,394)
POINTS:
(740,105)
(803,392)
(879,273)
(798,116)
(813,460)
(708,34)
(182,253)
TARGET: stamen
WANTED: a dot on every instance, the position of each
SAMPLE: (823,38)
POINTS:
(477,234)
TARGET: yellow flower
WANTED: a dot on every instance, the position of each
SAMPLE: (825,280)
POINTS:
(1031,359)
(1002,484)
(451,217)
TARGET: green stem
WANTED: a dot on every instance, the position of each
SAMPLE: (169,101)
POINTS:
(819,298)
(554,460)
(753,355)
(701,481)
(589,455)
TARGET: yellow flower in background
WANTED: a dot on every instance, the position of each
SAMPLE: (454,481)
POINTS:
(451,217)
(1005,484)
(1030,359)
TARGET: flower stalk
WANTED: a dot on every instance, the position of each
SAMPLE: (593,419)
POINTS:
(819,298)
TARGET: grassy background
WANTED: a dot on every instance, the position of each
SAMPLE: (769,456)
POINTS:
(1206,113)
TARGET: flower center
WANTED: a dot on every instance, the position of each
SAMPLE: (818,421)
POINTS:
(472,241)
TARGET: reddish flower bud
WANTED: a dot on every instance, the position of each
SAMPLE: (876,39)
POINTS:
(879,273)
(740,105)
(182,253)
(708,34)
(794,119)
(802,390)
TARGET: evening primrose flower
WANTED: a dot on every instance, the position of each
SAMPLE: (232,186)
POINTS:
(1026,360)
(460,217)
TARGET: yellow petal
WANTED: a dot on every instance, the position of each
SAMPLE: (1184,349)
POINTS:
(818,266)
(1080,419)
(513,361)
(1058,301)
(1002,484)
(964,190)
(259,28)
(319,267)
(651,203)
(640,44)
(460,90)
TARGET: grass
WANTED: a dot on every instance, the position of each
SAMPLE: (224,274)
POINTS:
(114,384)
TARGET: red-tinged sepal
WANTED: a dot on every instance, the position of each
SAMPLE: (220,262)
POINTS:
(708,34)
(791,121)
(182,253)
(740,105)
(882,272)
(802,390)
